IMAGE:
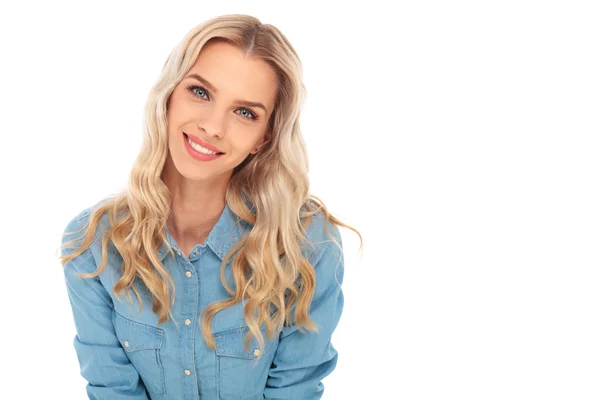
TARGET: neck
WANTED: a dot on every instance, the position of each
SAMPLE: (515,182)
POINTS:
(195,206)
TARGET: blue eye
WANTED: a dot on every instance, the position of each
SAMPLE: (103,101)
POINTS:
(250,114)
(197,91)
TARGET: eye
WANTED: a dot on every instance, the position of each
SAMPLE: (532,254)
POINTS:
(248,114)
(197,91)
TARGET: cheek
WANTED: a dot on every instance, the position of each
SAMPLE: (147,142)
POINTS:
(238,151)
(245,146)
(181,108)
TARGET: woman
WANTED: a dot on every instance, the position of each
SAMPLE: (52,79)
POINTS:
(234,268)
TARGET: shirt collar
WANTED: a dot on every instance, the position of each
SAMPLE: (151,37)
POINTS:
(225,234)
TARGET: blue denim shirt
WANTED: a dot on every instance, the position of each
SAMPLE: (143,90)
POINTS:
(125,354)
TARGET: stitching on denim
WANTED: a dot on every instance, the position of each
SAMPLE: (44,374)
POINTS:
(162,372)
(218,376)
(240,333)
(152,343)
(146,327)
(155,346)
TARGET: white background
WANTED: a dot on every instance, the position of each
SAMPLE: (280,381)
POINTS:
(461,138)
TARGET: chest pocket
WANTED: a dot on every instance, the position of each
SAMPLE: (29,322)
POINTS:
(142,344)
(241,373)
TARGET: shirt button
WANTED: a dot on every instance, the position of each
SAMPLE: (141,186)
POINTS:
(188,372)
(126,343)
(188,321)
(195,251)
(188,274)
(257,352)
(178,253)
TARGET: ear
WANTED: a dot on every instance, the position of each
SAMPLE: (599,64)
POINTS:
(267,138)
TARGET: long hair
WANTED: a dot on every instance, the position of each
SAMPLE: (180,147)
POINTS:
(271,274)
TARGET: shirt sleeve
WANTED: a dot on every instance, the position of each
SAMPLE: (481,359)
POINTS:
(103,362)
(303,359)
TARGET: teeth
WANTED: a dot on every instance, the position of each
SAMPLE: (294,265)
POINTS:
(199,148)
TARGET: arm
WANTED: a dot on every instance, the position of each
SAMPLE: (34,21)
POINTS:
(103,361)
(303,359)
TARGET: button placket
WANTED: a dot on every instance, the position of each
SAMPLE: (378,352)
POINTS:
(189,308)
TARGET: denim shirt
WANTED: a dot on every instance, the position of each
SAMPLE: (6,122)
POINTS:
(125,354)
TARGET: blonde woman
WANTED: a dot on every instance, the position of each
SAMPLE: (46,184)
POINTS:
(215,274)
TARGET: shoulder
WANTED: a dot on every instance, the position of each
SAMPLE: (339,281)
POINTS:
(326,255)
(323,235)
(319,227)
(76,227)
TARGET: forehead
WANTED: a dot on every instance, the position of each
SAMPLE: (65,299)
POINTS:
(236,75)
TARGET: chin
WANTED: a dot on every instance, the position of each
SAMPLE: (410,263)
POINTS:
(195,173)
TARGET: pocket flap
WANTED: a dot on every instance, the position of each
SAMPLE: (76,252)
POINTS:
(230,343)
(136,335)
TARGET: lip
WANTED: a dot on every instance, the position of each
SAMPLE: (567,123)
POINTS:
(202,143)
(196,154)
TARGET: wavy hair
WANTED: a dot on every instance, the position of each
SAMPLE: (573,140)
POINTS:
(271,274)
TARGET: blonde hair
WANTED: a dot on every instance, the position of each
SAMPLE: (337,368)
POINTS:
(270,272)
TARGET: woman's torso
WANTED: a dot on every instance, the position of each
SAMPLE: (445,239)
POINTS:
(173,360)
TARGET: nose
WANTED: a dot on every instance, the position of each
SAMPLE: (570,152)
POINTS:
(213,124)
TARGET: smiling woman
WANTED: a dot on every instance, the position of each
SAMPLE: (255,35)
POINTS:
(236,269)
(227,75)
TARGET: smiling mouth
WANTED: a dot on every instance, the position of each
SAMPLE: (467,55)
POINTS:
(189,140)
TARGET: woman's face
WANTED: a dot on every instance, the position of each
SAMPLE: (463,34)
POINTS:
(223,103)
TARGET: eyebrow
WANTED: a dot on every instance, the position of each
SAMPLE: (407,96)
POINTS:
(214,89)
